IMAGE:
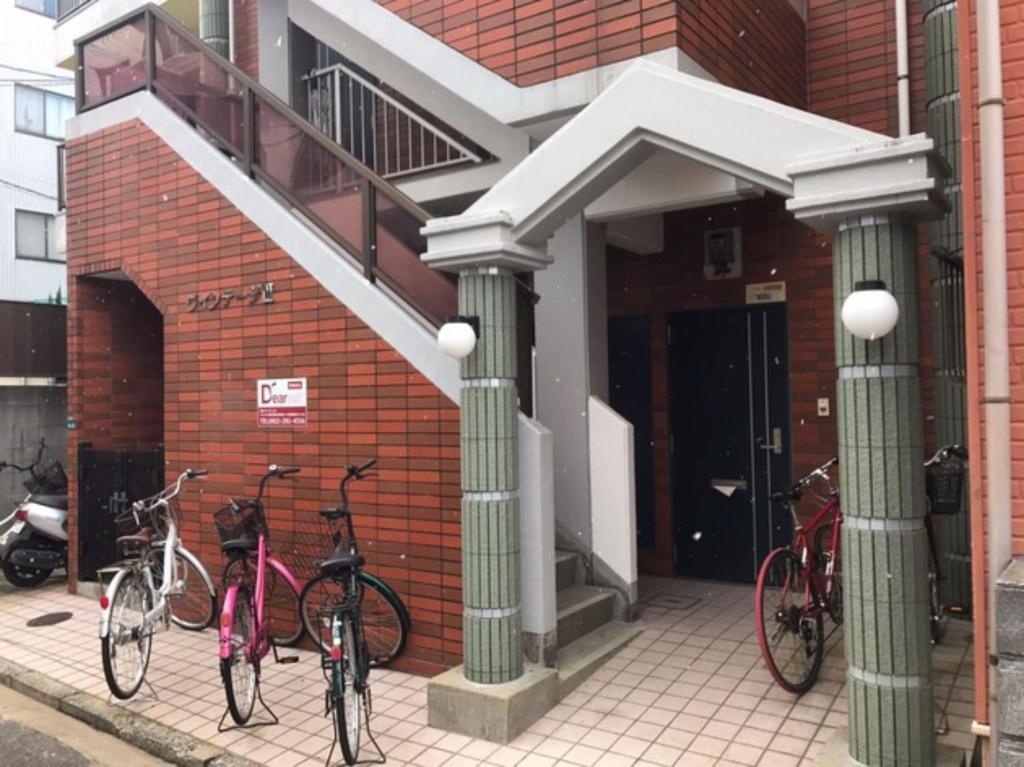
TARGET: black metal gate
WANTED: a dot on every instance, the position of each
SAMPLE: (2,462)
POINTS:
(108,480)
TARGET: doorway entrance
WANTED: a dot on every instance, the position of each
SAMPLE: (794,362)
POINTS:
(729,438)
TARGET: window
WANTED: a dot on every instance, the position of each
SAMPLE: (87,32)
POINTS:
(41,113)
(35,236)
(45,7)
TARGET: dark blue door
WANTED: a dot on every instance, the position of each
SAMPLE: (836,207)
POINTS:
(729,438)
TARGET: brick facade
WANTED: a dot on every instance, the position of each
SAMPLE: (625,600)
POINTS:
(758,46)
(136,207)
(247,44)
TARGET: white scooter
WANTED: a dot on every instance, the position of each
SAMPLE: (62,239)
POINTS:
(37,541)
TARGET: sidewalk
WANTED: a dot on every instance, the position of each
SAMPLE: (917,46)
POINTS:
(690,690)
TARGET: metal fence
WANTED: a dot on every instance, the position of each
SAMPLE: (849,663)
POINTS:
(109,480)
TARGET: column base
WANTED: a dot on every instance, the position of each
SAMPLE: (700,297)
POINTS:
(836,753)
(495,712)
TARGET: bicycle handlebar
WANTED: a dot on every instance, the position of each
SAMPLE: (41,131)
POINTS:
(947,452)
(792,493)
(169,492)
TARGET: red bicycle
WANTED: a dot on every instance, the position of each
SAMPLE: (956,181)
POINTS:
(799,584)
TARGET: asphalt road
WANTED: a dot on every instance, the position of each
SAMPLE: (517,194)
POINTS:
(35,735)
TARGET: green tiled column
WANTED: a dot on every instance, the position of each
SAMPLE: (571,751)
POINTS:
(885,548)
(942,97)
(492,625)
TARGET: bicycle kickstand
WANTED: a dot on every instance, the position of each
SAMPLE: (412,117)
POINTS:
(284,658)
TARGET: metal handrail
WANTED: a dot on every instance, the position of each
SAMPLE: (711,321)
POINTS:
(372,184)
(456,152)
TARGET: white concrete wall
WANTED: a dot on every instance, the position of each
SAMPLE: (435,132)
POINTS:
(28,164)
(537,530)
(613,498)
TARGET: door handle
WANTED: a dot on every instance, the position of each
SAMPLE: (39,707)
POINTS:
(776,443)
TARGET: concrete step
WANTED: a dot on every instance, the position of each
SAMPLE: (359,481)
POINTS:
(581,609)
(565,569)
(579,659)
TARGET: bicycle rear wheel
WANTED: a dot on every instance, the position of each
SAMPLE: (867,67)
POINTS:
(346,685)
(239,671)
(127,646)
(193,602)
(790,633)
(385,619)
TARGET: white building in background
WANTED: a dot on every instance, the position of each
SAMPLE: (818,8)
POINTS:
(36,97)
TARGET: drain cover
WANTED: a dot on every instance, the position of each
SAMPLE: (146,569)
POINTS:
(49,619)
(670,602)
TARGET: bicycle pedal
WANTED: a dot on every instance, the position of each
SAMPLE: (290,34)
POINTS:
(288,659)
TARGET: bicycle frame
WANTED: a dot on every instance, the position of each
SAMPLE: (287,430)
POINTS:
(260,643)
(160,615)
(802,548)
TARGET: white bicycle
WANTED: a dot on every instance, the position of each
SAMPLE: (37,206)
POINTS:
(140,600)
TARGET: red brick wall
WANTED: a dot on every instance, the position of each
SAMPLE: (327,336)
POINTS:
(755,45)
(851,62)
(136,206)
(247,44)
(120,348)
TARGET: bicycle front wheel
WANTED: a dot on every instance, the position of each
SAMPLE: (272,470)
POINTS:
(346,685)
(240,671)
(385,618)
(790,632)
(193,599)
(127,645)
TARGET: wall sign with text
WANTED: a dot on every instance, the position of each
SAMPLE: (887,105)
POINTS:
(282,403)
(262,293)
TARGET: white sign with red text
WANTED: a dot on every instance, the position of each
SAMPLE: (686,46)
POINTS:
(281,402)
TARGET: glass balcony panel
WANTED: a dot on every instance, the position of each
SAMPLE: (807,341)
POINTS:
(200,84)
(115,63)
(399,245)
(309,173)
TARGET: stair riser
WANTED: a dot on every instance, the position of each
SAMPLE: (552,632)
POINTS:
(583,619)
(565,571)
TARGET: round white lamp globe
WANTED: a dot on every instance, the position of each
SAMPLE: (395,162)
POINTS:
(456,338)
(870,311)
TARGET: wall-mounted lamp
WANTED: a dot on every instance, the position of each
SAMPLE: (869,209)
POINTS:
(457,337)
(870,311)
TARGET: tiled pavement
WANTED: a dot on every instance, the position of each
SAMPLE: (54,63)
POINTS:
(690,690)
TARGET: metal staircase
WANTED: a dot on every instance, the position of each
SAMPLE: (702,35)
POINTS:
(347,201)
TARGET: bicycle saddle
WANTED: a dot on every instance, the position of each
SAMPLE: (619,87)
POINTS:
(341,562)
(142,538)
(239,546)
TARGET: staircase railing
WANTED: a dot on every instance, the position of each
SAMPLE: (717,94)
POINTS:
(377,127)
(355,207)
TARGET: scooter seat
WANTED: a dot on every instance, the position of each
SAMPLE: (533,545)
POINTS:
(340,563)
(142,538)
(53,501)
(239,546)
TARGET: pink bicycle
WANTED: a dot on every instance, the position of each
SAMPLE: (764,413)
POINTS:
(246,625)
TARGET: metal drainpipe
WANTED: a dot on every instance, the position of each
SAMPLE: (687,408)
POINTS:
(902,69)
(997,369)
(215,25)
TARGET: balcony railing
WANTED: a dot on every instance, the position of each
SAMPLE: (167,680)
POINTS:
(67,7)
(61,176)
(376,127)
(363,213)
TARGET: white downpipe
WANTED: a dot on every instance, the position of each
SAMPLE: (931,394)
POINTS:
(231,31)
(997,369)
(902,69)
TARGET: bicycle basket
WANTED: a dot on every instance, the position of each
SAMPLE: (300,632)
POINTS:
(305,545)
(129,521)
(236,521)
(944,483)
(52,481)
